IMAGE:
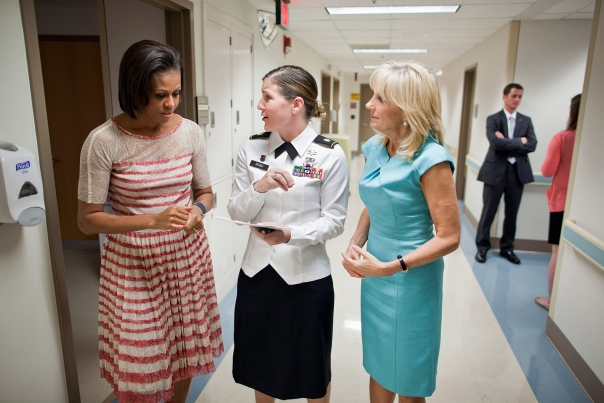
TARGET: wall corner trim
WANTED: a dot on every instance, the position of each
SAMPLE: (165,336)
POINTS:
(514,34)
(589,381)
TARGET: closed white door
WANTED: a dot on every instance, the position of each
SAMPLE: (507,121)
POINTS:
(217,78)
(242,85)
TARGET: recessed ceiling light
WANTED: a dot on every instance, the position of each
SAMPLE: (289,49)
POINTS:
(439,73)
(392,10)
(390,50)
(370,67)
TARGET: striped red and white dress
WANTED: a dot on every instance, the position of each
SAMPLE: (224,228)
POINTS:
(158,312)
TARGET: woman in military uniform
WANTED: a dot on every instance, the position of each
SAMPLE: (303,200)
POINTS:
(287,176)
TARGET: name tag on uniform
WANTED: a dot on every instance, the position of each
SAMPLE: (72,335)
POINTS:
(259,165)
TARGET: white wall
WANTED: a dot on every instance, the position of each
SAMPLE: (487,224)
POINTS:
(579,296)
(550,65)
(490,58)
(67,21)
(31,363)
(127,22)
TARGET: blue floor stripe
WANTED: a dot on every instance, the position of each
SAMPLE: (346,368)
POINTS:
(510,290)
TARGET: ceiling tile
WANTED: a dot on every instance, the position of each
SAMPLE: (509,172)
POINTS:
(365,24)
(499,1)
(457,33)
(580,16)
(492,10)
(368,41)
(478,23)
(304,3)
(362,33)
(308,14)
(311,25)
(422,24)
(318,34)
(589,9)
(551,16)
(569,6)
(446,39)
(326,41)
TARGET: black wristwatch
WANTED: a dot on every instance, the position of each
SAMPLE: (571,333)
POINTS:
(404,268)
(202,208)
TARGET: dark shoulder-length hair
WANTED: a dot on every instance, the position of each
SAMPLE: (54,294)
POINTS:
(573,117)
(140,62)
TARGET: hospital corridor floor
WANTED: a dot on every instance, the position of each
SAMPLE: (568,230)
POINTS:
(493,344)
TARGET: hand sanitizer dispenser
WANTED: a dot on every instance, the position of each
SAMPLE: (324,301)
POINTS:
(21,198)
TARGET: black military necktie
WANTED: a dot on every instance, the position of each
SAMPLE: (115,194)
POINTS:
(287,146)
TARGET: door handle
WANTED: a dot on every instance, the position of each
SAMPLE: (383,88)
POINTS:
(212,119)
(237,116)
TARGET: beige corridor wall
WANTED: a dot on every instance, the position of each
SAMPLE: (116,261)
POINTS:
(550,64)
(579,296)
(489,57)
(31,361)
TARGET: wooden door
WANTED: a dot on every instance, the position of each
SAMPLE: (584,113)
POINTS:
(325,99)
(467,111)
(75,104)
(336,105)
(365,130)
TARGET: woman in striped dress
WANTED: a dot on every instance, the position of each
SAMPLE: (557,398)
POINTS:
(158,314)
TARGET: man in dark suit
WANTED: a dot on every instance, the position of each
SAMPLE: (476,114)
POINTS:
(505,170)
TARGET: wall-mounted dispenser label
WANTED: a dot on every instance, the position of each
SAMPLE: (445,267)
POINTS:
(21,198)
(203,111)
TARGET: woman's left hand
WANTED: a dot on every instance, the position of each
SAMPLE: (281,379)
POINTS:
(367,266)
(275,236)
(194,223)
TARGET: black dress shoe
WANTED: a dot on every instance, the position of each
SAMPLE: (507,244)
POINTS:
(481,256)
(509,255)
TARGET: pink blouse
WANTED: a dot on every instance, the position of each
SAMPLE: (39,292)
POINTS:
(557,164)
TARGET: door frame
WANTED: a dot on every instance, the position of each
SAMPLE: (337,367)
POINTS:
(465,129)
(180,33)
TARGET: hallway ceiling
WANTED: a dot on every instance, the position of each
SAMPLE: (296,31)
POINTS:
(446,36)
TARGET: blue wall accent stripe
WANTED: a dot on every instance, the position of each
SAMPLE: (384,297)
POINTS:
(584,245)
(538,177)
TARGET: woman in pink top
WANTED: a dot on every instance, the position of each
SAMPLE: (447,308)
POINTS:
(557,164)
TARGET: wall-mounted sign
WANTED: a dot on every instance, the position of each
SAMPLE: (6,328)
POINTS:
(282,13)
(355,96)
(267,26)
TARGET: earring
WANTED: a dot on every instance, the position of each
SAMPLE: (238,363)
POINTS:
(405,124)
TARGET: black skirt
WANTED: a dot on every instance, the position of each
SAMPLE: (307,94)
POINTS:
(555,227)
(283,335)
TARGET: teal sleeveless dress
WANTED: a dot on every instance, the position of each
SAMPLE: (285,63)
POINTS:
(401,314)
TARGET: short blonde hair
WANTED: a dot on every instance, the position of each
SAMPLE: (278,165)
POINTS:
(412,87)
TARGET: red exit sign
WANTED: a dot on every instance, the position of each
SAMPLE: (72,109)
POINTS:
(282,13)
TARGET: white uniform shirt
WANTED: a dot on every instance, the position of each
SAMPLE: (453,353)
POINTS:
(314,208)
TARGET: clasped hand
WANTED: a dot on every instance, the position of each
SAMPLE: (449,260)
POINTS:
(360,264)
(186,218)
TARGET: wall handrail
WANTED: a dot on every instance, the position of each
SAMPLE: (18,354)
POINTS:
(475,165)
(584,242)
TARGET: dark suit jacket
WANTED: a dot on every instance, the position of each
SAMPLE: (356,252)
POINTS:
(493,168)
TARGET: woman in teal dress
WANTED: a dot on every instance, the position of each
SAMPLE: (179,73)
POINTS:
(410,222)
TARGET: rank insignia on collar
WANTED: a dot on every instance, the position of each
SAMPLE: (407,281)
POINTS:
(262,158)
(307,170)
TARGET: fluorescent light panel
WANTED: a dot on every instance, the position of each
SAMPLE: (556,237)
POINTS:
(370,67)
(392,10)
(390,50)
